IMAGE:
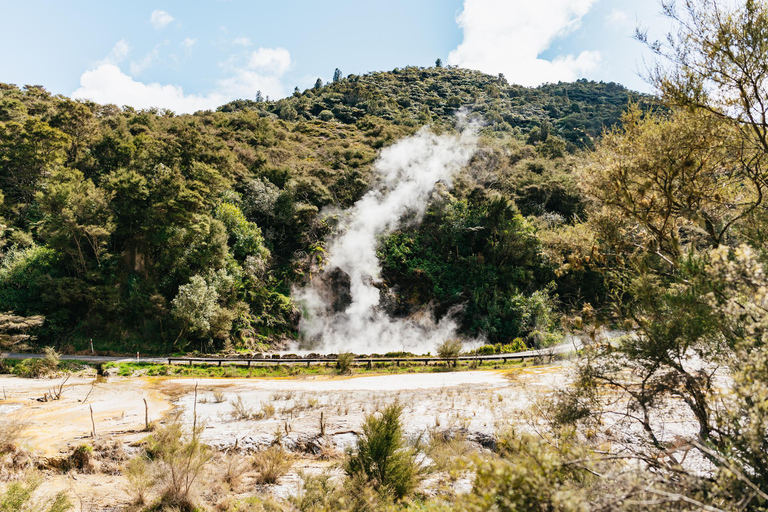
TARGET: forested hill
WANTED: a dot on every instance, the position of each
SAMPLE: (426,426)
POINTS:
(415,96)
(160,232)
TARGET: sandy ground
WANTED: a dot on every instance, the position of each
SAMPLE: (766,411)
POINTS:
(55,426)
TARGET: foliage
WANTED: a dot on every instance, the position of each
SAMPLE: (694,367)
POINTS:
(13,329)
(318,493)
(676,227)
(17,497)
(344,362)
(478,252)
(113,217)
(179,462)
(383,461)
(140,478)
(271,464)
(450,350)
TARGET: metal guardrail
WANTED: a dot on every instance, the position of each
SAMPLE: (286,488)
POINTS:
(277,361)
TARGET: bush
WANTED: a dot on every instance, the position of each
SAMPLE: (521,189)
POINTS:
(318,493)
(180,462)
(17,496)
(450,350)
(383,461)
(486,350)
(140,478)
(517,345)
(81,458)
(11,430)
(241,410)
(271,464)
(325,115)
(344,362)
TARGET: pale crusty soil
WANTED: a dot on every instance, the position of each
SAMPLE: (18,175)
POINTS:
(476,403)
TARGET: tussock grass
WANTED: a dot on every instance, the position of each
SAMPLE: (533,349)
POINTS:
(272,463)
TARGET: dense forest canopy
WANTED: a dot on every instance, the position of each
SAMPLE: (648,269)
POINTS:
(146,229)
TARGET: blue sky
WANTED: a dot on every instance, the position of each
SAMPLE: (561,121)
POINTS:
(189,54)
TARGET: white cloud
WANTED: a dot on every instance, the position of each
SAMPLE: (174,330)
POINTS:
(118,54)
(508,36)
(188,42)
(276,60)
(160,19)
(618,19)
(263,71)
(137,67)
(242,41)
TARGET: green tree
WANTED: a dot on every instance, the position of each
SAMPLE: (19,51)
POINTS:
(77,220)
(195,307)
(29,153)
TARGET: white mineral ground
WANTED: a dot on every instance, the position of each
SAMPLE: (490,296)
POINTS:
(478,403)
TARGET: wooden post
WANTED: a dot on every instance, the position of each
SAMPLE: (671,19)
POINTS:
(93,423)
(146,415)
(194,415)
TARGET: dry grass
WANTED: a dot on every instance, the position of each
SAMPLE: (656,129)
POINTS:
(232,467)
(242,411)
(271,464)
(11,430)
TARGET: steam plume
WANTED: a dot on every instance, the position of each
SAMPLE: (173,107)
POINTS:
(407,173)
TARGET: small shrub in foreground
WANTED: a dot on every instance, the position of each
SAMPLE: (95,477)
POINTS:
(383,460)
(271,464)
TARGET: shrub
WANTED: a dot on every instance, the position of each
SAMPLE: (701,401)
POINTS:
(218,396)
(383,461)
(51,359)
(317,493)
(325,115)
(10,432)
(140,478)
(180,462)
(241,410)
(517,345)
(344,362)
(271,464)
(233,468)
(17,496)
(81,458)
(450,350)
(486,350)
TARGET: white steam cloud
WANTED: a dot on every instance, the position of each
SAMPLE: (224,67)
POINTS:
(407,174)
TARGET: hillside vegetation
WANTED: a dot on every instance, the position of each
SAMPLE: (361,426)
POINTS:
(146,230)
